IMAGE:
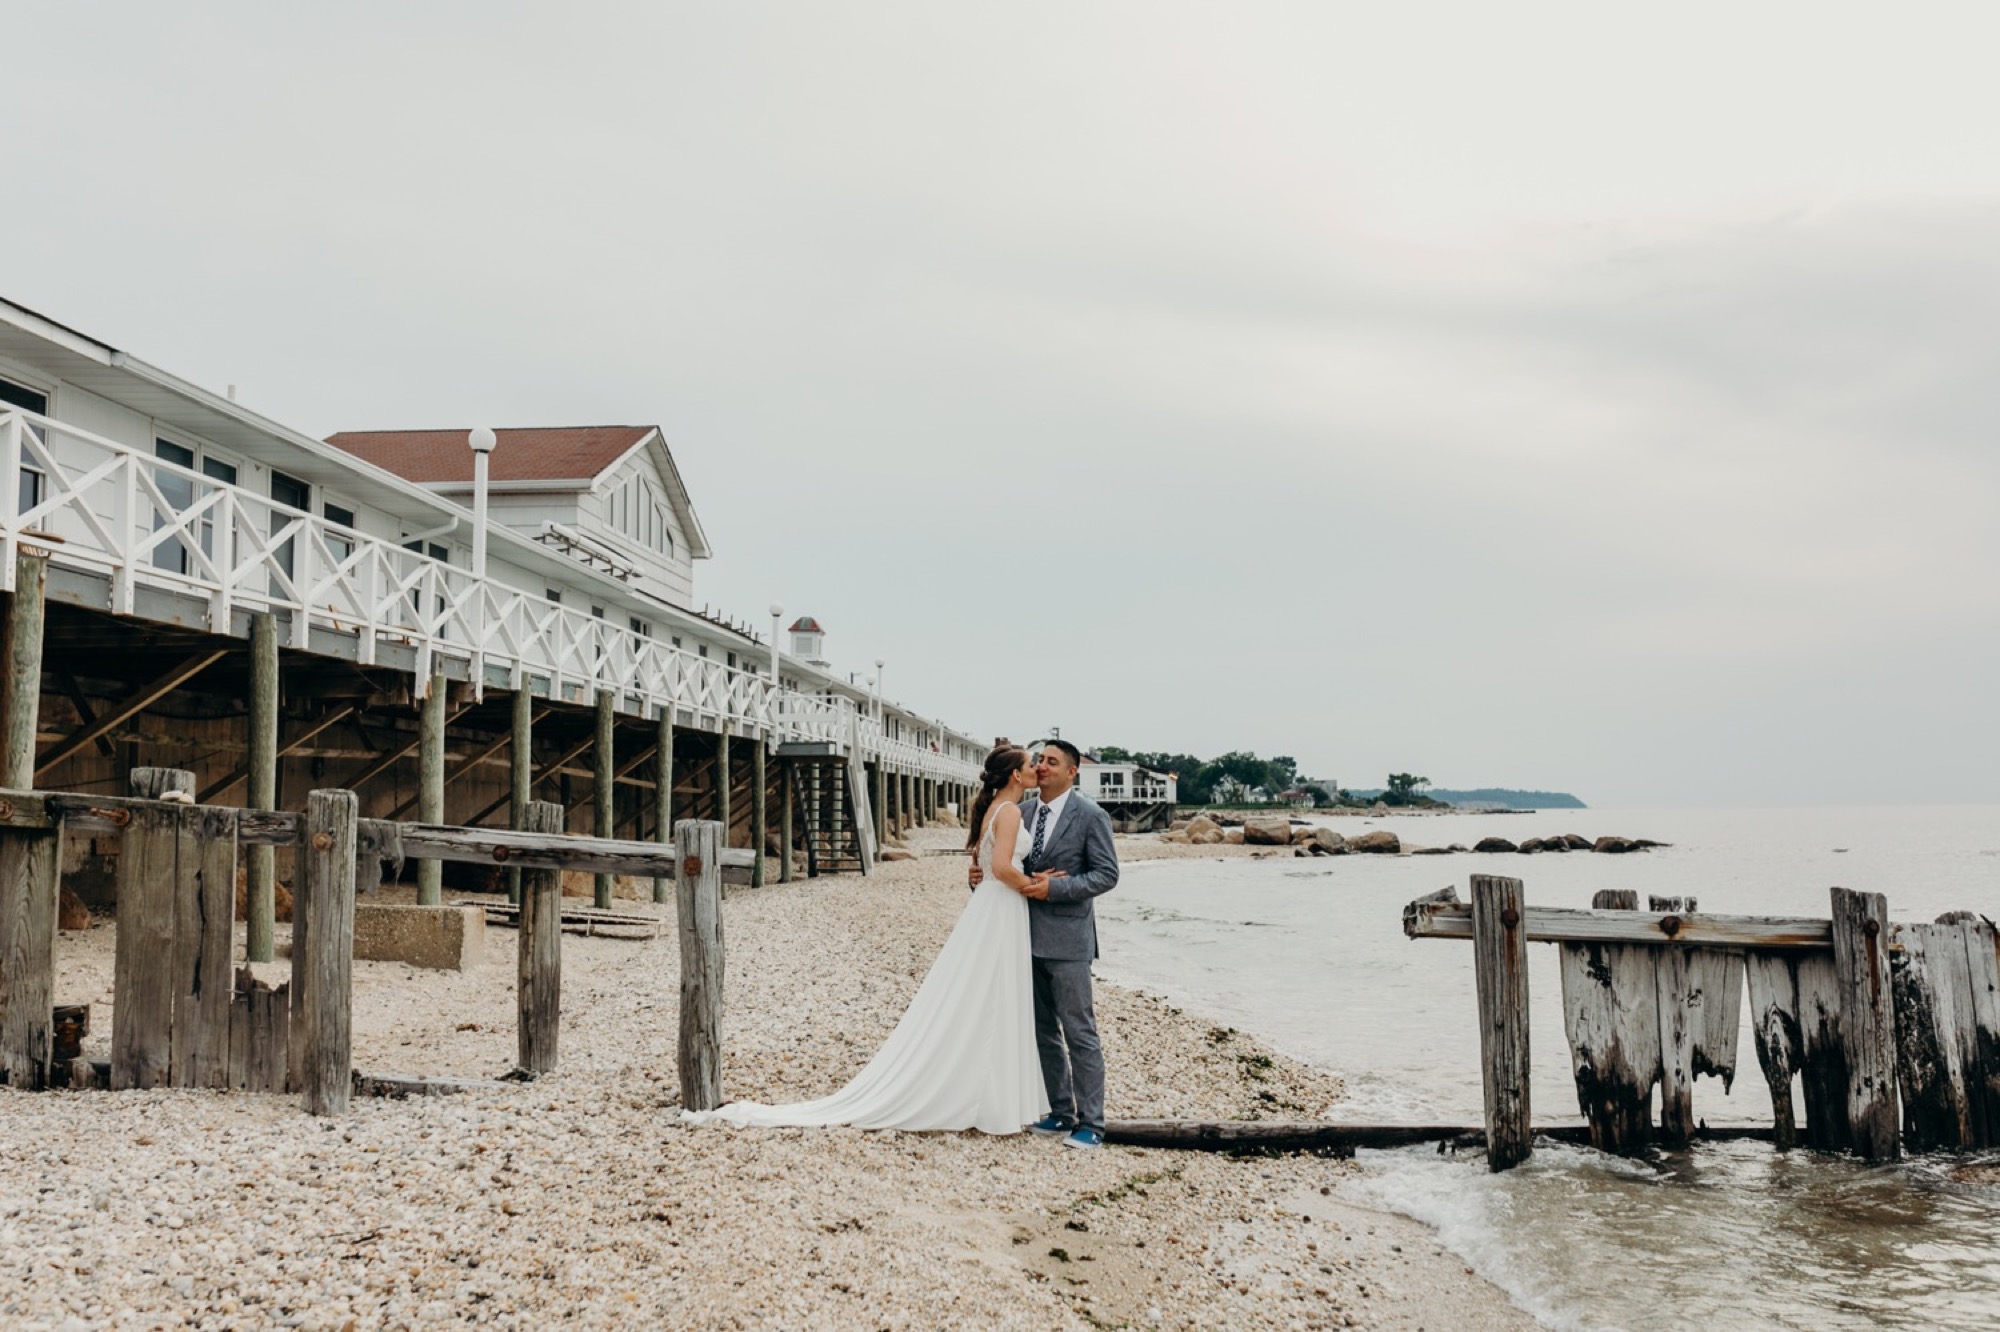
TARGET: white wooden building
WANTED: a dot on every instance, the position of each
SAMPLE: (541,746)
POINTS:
(176,512)
(1137,798)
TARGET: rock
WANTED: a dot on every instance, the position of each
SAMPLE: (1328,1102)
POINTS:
(1176,836)
(1179,825)
(1534,846)
(1428,850)
(1226,819)
(897,853)
(1376,843)
(71,913)
(281,898)
(1302,833)
(1575,843)
(1233,836)
(1613,846)
(438,937)
(1268,832)
(1325,841)
(1495,844)
(1201,823)
(1555,844)
(1211,836)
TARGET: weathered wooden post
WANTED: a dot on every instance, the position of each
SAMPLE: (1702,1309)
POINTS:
(260,873)
(1867,1022)
(724,779)
(698,890)
(787,795)
(604,787)
(326,880)
(760,809)
(150,861)
(430,786)
(1500,963)
(21,686)
(1611,1016)
(520,772)
(881,810)
(538,956)
(30,883)
(1930,985)
(663,794)
(204,949)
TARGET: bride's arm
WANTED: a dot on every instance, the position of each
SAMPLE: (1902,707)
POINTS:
(1007,828)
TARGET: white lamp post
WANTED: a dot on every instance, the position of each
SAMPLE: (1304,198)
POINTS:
(877,678)
(777,612)
(482,441)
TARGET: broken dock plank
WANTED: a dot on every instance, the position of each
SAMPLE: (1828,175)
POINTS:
(591,921)
(1437,918)
(1229,1135)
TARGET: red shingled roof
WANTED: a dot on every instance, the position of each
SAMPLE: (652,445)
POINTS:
(553,453)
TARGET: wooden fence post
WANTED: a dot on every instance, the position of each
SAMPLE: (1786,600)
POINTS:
(1867,1022)
(150,864)
(698,890)
(538,976)
(30,883)
(204,945)
(21,671)
(326,881)
(1500,961)
(1611,1016)
(787,796)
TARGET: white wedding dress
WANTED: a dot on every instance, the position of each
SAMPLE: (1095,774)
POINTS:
(963,1054)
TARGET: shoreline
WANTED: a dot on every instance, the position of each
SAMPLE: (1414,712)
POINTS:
(579,1196)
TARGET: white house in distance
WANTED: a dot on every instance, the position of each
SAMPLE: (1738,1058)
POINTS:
(1138,799)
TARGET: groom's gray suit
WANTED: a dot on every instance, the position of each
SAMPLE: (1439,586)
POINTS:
(1062,935)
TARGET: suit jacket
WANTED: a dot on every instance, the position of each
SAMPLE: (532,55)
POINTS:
(1065,926)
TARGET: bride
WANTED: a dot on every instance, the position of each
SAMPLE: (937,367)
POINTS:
(963,1055)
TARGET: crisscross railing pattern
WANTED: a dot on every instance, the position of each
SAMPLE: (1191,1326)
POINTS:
(148,522)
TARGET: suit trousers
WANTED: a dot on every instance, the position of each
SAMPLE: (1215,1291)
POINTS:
(1066,1038)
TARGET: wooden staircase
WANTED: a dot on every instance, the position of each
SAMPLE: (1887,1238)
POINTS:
(839,834)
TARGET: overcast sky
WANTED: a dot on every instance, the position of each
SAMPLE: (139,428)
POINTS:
(1589,397)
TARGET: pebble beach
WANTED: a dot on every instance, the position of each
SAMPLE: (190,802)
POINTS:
(579,1199)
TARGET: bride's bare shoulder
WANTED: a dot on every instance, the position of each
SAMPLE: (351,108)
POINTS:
(1007,816)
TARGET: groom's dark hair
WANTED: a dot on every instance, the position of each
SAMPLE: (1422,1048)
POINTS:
(1075,754)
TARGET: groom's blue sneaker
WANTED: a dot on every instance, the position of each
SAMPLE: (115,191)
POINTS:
(1053,1125)
(1084,1137)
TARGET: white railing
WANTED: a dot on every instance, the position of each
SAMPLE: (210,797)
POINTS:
(146,523)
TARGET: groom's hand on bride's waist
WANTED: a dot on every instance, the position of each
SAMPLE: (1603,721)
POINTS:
(1038,886)
(973,876)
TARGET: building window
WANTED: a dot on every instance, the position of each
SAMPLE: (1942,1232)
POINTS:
(597,611)
(341,543)
(32,479)
(291,493)
(181,492)
(555,597)
(641,628)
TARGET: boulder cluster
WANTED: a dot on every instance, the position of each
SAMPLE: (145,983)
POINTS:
(1307,839)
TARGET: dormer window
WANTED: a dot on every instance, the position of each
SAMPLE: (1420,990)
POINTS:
(638,512)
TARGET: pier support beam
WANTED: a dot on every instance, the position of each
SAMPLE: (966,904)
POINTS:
(881,803)
(663,795)
(430,786)
(520,772)
(787,793)
(260,866)
(21,690)
(760,809)
(724,779)
(604,788)
(1867,1022)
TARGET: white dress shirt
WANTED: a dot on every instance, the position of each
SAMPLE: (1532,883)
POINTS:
(1055,809)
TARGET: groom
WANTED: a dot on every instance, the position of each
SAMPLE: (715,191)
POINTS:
(1070,839)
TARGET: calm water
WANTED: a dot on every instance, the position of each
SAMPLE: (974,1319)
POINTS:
(1310,955)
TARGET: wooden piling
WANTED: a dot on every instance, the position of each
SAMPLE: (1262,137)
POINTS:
(1500,961)
(204,944)
(259,1033)
(430,785)
(1930,985)
(21,684)
(1611,1016)
(260,863)
(881,810)
(1979,1025)
(760,810)
(604,786)
(787,797)
(520,772)
(1867,1022)
(538,988)
(150,861)
(698,892)
(663,794)
(30,883)
(325,882)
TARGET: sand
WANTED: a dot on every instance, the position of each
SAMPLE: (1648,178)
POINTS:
(579,1197)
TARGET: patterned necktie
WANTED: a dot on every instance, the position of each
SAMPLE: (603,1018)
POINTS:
(1041,826)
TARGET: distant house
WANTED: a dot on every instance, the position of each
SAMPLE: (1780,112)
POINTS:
(1228,791)
(608,497)
(1137,798)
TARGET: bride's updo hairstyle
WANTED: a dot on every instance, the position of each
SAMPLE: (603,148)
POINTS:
(1001,765)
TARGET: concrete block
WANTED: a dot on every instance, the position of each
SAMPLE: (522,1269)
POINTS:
(446,938)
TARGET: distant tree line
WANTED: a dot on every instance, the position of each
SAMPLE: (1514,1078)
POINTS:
(1227,778)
